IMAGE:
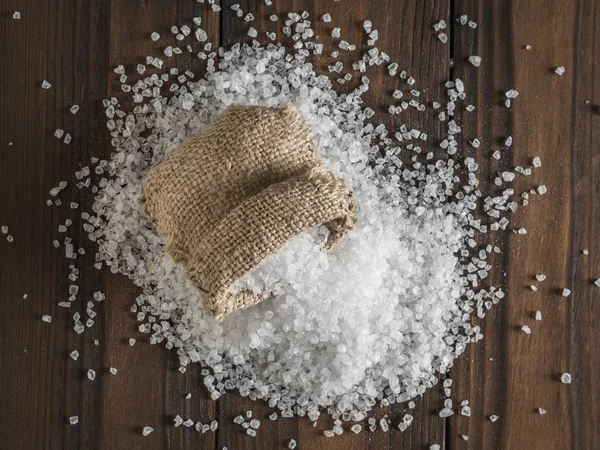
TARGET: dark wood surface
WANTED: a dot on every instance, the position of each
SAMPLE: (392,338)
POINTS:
(76,44)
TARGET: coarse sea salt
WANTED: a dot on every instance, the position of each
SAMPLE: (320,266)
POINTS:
(373,321)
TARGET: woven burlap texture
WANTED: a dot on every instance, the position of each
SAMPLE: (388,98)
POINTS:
(231,196)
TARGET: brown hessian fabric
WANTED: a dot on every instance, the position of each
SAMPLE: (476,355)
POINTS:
(231,196)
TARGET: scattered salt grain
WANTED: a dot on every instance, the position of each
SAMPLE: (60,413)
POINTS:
(356,428)
(538,315)
(475,60)
(446,412)
(541,411)
(74,109)
(434,447)
(533,288)
(537,162)
(59,133)
(526,329)
(542,189)
(559,70)
(73,420)
(113,370)
(494,418)
(91,374)
(443,37)
(326,18)
(74,355)
(46,85)
(292,444)
(465,411)
(566,292)
(240,419)
(131,342)
(47,318)
(384,425)
(566,378)
(540,277)
(464,437)
(147,430)
(16,15)
(597,282)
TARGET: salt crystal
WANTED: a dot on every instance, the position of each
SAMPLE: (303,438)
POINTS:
(566,378)
(475,60)
(292,444)
(59,133)
(113,370)
(446,412)
(384,425)
(91,375)
(74,109)
(74,355)
(494,418)
(566,292)
(356,428)
(540,277)
(147,430)
(47,319)
(326,18)
(73,420)
(526,329)
(46,85)
(559,70)
(538,315)
(541,411)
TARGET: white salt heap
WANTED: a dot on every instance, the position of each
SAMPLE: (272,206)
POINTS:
(373,321)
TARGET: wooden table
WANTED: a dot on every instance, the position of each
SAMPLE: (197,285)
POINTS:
(76,44)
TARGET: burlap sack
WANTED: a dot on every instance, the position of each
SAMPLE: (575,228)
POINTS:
(233,195)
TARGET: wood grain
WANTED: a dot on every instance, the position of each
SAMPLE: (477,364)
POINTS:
(75,45)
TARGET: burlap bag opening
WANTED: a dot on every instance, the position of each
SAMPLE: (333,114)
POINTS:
(233,195)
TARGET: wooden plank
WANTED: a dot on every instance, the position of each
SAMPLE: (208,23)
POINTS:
(552,121)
